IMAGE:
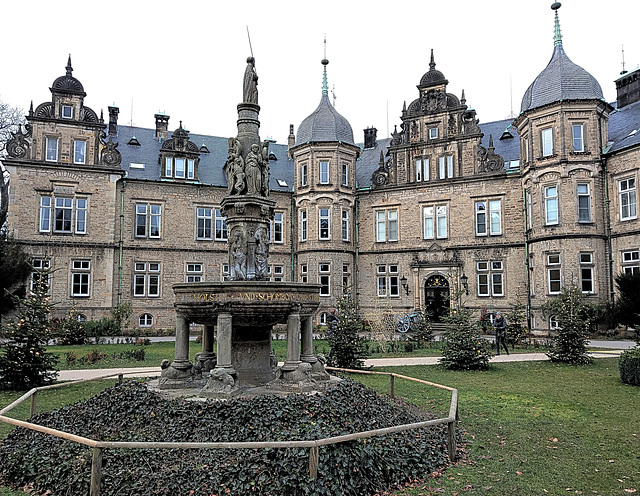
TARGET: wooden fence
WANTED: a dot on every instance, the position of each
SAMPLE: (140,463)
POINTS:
(314,445)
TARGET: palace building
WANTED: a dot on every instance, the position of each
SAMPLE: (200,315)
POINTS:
(447,211)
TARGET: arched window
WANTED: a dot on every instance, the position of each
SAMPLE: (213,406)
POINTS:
(145,320)
(553,323)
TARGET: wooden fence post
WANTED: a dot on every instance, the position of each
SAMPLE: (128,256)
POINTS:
(451,431)
(96,472)
(314,456)
(34,403)
(120,376)
(392,386)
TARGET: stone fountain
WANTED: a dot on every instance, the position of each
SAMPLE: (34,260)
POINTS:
(241,312)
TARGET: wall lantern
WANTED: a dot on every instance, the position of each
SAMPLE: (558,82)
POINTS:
(403,281)
(465,283)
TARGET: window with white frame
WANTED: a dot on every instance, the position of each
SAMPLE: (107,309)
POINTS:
(80,278)
(277,273)
(304,175)
(491,224)
(346,277)
(324,223)
(631,261)
(553,323)
(627,198)
(69,215)
(179,167)
(324,278)
(146,279)
(40,276)
(577,132)
(191,168)
(586,273)
(51,149)
(490,277)
(304,273)
(584,202)
(148,220)
(221,225)
(145,320)
(204,223)
(345,174)
(546,138)
(224,272)
(434,221)
(422,169)
(388,281)
(386,225)
(445,167)
(529,199)
(551,205)
(433,133)
(554,273)
(324,172)
(66,112)
(79,151)
(195,272)
(303,225)
(277,228)
(345,225)
(525,146)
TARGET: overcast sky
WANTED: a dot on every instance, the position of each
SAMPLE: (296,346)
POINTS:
(187,58)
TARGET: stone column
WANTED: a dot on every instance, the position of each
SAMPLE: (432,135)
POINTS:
(307,341)
(293,343)
(224,340)
(207,341)
(181,359)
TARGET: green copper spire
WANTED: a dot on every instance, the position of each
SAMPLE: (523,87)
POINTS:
(557,36)
(325,85)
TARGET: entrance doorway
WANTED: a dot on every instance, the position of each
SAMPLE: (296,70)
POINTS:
(437,298)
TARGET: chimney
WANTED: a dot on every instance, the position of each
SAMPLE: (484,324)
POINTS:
(113,120)
(291,141)
(370,137)
(162,125)
(628,88)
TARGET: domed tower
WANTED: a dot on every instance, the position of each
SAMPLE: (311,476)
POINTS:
(562,128)
(324,156)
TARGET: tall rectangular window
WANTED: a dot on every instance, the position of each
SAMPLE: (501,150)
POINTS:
(481,218)
(386,225)
(191,168)
(346,278)
(525,145)
(345,225)
(79,152)
(345,174)
(304,272)
(304,177)
(551,205)
(554,273)
(627,197)
(324,223)
(428,222)
(148,220)
(529,199)
(303,225)
(204,223)
(490,278)
(41,276)
(546,137)
(45,214)
(179,167)
(63,215)
(449,165)
(577,131)
(419,170)
(381,277)
(168,166)
(278,227)
(445,167)
(324,278)
(495,216)
(154,221)
(81,216)
(51,149)
(80,278)
(146,279)
(221,226)
(441,221)
(586,272)
(584,203)
(324,172)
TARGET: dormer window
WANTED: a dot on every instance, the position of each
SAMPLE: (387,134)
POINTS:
(179,167)
(67,112)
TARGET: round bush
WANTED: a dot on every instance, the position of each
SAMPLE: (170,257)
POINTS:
(629,366)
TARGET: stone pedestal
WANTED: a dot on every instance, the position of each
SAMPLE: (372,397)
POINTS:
(180,373)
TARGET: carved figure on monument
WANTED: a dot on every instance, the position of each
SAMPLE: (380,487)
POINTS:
(250,87)
(262,253)
(238,262)
(264,163)
(234,167)
(253,171)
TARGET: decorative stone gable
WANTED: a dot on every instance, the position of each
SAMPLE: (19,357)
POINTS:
(179,157)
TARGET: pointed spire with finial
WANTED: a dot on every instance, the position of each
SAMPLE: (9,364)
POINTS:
(557,35)
(432,63)
(325,62)
(31,109)
(69,68)
(491,147)
(463,100)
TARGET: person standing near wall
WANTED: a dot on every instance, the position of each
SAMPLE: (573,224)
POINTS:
(500,326)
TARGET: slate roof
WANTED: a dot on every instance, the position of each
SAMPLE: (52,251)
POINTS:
(561,80)
(369,161)
(324,124)
(624,128)
(210,169)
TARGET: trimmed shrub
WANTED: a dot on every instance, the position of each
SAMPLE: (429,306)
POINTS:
(629,366)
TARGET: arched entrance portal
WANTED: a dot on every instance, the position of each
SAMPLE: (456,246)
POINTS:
(436,297)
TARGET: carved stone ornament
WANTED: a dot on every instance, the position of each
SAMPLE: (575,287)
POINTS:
(433,100)
(18,144)
(381,175)
(396,137)
(489,161)
(110,155)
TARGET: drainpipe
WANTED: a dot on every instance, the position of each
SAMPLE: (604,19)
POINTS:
(293,233)
(607,222)
(356,268)
(526,257)
(121,242)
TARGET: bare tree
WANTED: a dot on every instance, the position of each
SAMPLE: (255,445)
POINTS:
(10,119)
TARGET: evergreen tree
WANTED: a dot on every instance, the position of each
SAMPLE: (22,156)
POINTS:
(516,322)
(627,306)
(14,269)
(24,361)
(347,347)
(575,319)
(464,347)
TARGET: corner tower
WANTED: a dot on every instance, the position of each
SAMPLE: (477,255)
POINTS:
(324,156)
(562,128)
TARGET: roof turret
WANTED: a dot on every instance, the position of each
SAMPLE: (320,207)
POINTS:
(67,83)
